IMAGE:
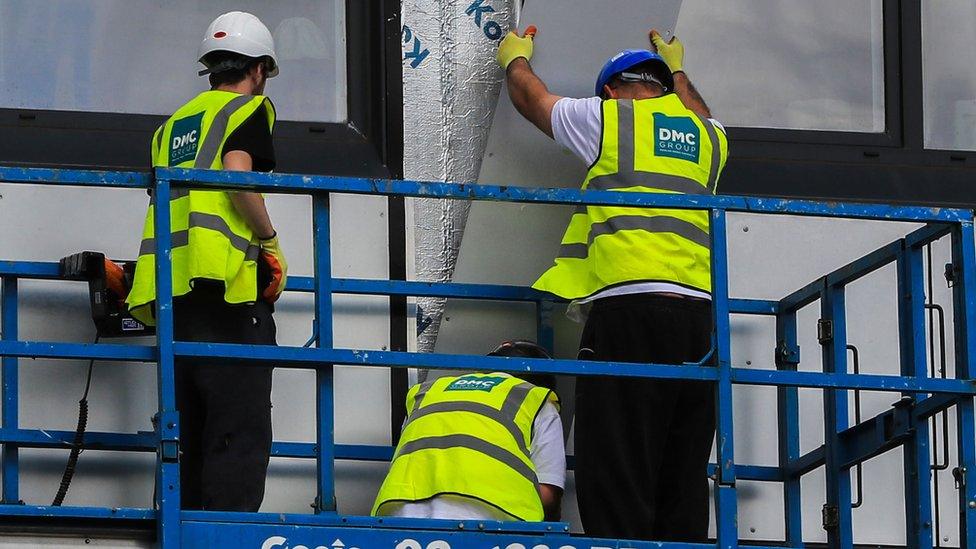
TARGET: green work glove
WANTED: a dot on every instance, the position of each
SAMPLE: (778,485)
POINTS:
(514,46)
(672,51)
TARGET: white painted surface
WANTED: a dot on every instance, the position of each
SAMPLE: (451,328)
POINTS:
(770,257)
(46,223)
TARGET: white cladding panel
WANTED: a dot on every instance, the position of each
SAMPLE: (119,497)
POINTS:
(771,256)
(46,223)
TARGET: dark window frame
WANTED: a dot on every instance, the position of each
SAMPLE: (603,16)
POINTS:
(369,144)
(892,166)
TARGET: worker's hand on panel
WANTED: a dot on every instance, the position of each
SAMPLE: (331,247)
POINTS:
(272,254)
(673,51)
(514,46)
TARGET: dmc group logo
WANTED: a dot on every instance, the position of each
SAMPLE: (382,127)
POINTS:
(184,139)
(474,383)
(676,137)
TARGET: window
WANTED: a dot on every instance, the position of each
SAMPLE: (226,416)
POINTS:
(791,64)
(139,56)
(949,78)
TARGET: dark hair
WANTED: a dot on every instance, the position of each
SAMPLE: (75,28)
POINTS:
(521,348)
(647,67)
(238,67)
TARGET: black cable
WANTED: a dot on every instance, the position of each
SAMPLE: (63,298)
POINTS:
(79,439)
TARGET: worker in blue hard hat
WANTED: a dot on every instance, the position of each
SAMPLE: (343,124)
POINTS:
(480,446)
(641,278)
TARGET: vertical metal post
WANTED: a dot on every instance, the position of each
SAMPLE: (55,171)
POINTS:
(167,420)
(912,347)
(726,509)
(10,459)
(964,311)
(324,397)
(543,321)
(788,417)
(837,519)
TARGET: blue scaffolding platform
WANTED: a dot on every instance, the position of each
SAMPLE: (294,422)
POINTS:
(846,444)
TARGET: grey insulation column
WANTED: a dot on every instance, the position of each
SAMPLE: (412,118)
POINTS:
(450,88)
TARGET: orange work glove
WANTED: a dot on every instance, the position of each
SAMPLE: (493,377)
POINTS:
(271,253)
(115,279)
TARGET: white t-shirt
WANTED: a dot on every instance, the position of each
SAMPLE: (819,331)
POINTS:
(577,125)
(547,452)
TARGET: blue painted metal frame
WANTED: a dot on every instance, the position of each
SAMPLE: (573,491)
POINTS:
(845,444)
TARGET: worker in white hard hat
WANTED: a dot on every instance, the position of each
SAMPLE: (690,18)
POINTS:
(642,445)
(228,268)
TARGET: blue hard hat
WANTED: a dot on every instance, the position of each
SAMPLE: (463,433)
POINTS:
(628,59)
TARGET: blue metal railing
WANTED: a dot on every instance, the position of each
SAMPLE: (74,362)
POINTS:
(845,444)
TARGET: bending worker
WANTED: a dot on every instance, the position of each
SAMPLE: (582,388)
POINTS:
(642,445)
(479,446)
(227,267)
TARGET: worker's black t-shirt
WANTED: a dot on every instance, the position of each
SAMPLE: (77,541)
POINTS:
(254,138)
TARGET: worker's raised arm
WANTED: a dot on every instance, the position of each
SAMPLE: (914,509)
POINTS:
(673,52)
(528,92)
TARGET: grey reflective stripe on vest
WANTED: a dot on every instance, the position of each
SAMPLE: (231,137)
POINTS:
(716,152)
(574,251)
(506,416)
(159,138)
(174,193)
(421,393)
(471,443)
(218,128)
(658,181)
(625,136)
(205,221)
(627,176)
(656,224)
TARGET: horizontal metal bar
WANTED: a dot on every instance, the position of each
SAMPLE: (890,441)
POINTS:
(299,357)
(325,519)
(87,178)
(144,441)
(97,351)
(302,184)
(759,473)
(754,306)
(29,269)
(47,511)
(439,289)
(866,382)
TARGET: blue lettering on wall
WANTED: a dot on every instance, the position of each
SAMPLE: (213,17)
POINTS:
(416,55)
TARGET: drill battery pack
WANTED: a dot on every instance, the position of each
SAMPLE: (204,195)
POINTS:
(108,286)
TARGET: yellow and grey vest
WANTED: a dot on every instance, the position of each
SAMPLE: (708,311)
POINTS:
(210,239)
(648,145)
(469,436)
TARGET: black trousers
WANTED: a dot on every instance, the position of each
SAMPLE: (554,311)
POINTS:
(642,445)
(225,409)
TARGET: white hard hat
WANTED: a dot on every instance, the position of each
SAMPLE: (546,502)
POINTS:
(239,32)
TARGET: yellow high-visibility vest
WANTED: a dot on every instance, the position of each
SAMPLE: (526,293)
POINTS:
(648,145)
(469,436)
(210,239)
